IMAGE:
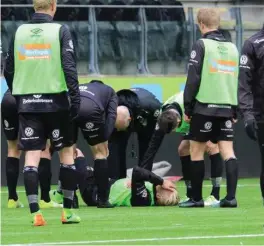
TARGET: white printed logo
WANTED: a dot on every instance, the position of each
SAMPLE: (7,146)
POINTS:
(208,125)
(228,124)
(157,112)
(89,125)
(243,60)
(83,88)
(193,54)
(37,96)
(157,127)
(29,131)
(6,123)
(71,44)
(56,133)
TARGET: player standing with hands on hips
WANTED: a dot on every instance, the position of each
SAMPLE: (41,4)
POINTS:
(210,102)
(39,48)
(251,93)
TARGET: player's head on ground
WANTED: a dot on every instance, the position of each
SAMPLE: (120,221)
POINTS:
(208,19)
(123,118)
(166,197)
(45,6)
(169,120)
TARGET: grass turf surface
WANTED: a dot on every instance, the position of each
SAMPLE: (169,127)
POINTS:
(151,225)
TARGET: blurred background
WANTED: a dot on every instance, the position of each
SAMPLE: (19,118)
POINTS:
(141,43)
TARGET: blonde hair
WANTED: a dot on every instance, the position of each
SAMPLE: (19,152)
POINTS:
(210,17)
(42,4)
(168,198)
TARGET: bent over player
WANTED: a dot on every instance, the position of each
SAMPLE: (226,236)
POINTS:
(97,119)
(138,110)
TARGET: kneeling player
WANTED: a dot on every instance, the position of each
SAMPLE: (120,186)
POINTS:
(10,125)
(143,189)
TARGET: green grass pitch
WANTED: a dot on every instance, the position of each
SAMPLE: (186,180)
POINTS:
(152,225)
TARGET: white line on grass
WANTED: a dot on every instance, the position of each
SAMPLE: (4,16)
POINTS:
(180,186)
(143,240)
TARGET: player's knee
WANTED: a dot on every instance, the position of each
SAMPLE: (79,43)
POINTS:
(67,155)
(79,153)
(32,158)
(46,153)
(12,149)
(197,151)
(100,151)
(212,148)
(184,148)
(226,149)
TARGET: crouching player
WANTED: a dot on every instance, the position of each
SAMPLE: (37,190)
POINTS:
(170,119)
(143,189)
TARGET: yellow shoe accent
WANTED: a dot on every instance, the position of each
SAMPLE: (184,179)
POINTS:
(51,204)
(38,219)
(14,204)
(69,217)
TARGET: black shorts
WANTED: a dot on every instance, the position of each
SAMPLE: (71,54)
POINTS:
(9,117)
(36,128)
(208,128)
(91,121)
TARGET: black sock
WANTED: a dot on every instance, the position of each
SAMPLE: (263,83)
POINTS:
(197,176)
(186,172)
(44,171)
(68,179)
(231,178)
(31,186)
(216,174)
(101,179)
(12,173)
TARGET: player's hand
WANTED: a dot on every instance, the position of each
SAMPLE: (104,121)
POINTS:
(251,129)
(234,121)
(168,185)
(187,118)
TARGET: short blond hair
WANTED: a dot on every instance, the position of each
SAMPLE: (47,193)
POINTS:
(210,17)
(168,198)
(42,4)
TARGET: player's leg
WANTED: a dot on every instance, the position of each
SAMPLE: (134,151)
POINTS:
(226,136)
(100,153)
(12,173)
(32,140)
(117,146)
(185,157)
(201,129)
(62,136)
(10,127)
(45,175)
(216,174)
(261,146)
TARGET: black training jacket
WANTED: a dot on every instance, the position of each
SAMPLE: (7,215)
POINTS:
(49,102)
(195,66)
(251,78)
(105,97)
(143,106)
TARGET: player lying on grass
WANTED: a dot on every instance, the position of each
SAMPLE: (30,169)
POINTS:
(143,189)
(171,119)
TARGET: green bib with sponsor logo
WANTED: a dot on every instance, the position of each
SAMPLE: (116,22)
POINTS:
(184,127)
(120,193)
(219,79)
(37,53)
